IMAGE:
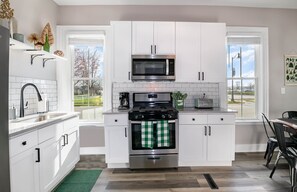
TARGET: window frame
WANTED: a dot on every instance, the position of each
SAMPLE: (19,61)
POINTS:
(261,71)
(64,70)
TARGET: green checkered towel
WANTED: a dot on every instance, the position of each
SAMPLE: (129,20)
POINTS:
(147,140)
(163,133)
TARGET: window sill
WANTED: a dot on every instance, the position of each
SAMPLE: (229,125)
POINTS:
(93,123)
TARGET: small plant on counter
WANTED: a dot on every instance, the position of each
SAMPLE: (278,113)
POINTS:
(179,98)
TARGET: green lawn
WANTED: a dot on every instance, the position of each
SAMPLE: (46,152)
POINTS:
(84,100)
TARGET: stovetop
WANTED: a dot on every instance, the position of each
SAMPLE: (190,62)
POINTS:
(141,113)
(152,106)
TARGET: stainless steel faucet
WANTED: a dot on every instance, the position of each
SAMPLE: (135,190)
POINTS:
(22,97)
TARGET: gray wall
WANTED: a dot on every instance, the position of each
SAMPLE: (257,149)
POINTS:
(281,23)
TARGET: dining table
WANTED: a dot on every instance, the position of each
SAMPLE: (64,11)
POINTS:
(290,124)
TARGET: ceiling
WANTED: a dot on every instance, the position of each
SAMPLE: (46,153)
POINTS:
(289,4)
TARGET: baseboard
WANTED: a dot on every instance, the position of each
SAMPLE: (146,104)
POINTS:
(250,147)
(92,150)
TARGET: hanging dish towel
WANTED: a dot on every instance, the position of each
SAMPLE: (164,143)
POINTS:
(147,128)
(163,133)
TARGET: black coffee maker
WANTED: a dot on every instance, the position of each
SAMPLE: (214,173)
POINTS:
(124,101)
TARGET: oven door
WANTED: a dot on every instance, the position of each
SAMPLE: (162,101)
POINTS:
(135,147)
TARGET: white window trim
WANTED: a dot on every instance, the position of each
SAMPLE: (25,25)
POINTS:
(263,96)
(64,68)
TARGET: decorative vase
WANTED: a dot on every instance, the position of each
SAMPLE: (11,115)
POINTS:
(179,104)
(46,46)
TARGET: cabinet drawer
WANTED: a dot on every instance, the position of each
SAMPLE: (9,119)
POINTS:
(221,119)
(192,119)
(70,123)
(116,119)
(22,143)
(52,131)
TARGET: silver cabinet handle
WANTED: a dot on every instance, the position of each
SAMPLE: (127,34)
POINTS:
(129,75)
(202,76)
(205,130)
(199,76)
(209,129)
(151,49)
(125,131)
(155,49)
(167,66)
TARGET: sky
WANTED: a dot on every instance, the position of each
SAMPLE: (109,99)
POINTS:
(247,59)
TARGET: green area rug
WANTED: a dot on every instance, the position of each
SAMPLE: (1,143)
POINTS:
(79,181)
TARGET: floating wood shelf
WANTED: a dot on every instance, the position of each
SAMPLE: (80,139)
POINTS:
(46,56)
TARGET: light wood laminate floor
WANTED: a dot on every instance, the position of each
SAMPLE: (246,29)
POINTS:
(247,174)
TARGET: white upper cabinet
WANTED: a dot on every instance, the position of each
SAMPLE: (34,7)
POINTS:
(187,63)
(121,51)
(150,37)
(200,52)
(213,52)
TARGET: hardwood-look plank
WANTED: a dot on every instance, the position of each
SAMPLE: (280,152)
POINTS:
(246,174)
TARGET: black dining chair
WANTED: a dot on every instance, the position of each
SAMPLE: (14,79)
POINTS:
(289,114)
(271,140)
(289,153)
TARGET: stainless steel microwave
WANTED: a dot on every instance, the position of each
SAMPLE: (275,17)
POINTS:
(153,67)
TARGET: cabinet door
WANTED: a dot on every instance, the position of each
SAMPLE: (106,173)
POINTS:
(213,52)
(50,164)
(187,52)
(192,144)
(121,51)
(142,37)
(220,142)
(70,150)
(164,38)
(117,144)
(24,172)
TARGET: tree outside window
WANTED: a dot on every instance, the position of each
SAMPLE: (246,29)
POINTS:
(88,81)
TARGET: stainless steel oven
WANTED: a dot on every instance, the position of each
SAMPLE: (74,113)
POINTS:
(153,67)
(148,108)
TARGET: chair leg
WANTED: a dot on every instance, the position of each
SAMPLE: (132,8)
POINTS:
(266,152)
(275,164)
(270,153)
(293,179)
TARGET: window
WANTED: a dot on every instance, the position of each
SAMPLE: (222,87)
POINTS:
(247,71)
(87,63)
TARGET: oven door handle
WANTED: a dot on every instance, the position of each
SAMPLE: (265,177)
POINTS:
(154,122)
(167,66)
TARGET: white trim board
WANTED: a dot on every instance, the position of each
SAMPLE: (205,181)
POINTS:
(92,151)
(250,148)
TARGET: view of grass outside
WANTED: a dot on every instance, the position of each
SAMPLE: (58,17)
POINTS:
(87,80)
(242,81)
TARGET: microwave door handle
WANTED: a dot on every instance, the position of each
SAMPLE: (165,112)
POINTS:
(167,66)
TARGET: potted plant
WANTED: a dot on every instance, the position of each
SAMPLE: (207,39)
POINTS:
(178,99)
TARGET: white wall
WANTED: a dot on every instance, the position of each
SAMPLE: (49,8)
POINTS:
(281,24)
(31,16)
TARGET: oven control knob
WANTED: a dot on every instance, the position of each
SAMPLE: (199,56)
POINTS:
(169,116)
(163,116)
(142,116)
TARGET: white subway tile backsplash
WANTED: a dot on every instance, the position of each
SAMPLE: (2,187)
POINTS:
(194,90)
(47,87)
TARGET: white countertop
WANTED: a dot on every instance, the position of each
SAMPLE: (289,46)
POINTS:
(181,111)
(22,125)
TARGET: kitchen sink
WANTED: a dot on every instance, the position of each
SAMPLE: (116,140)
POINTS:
(38,118)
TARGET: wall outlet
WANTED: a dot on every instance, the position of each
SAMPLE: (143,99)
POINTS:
(283,90)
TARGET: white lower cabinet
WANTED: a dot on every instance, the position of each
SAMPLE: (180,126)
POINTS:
(206,139)
(116,139)
(24,173)
(39,160)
